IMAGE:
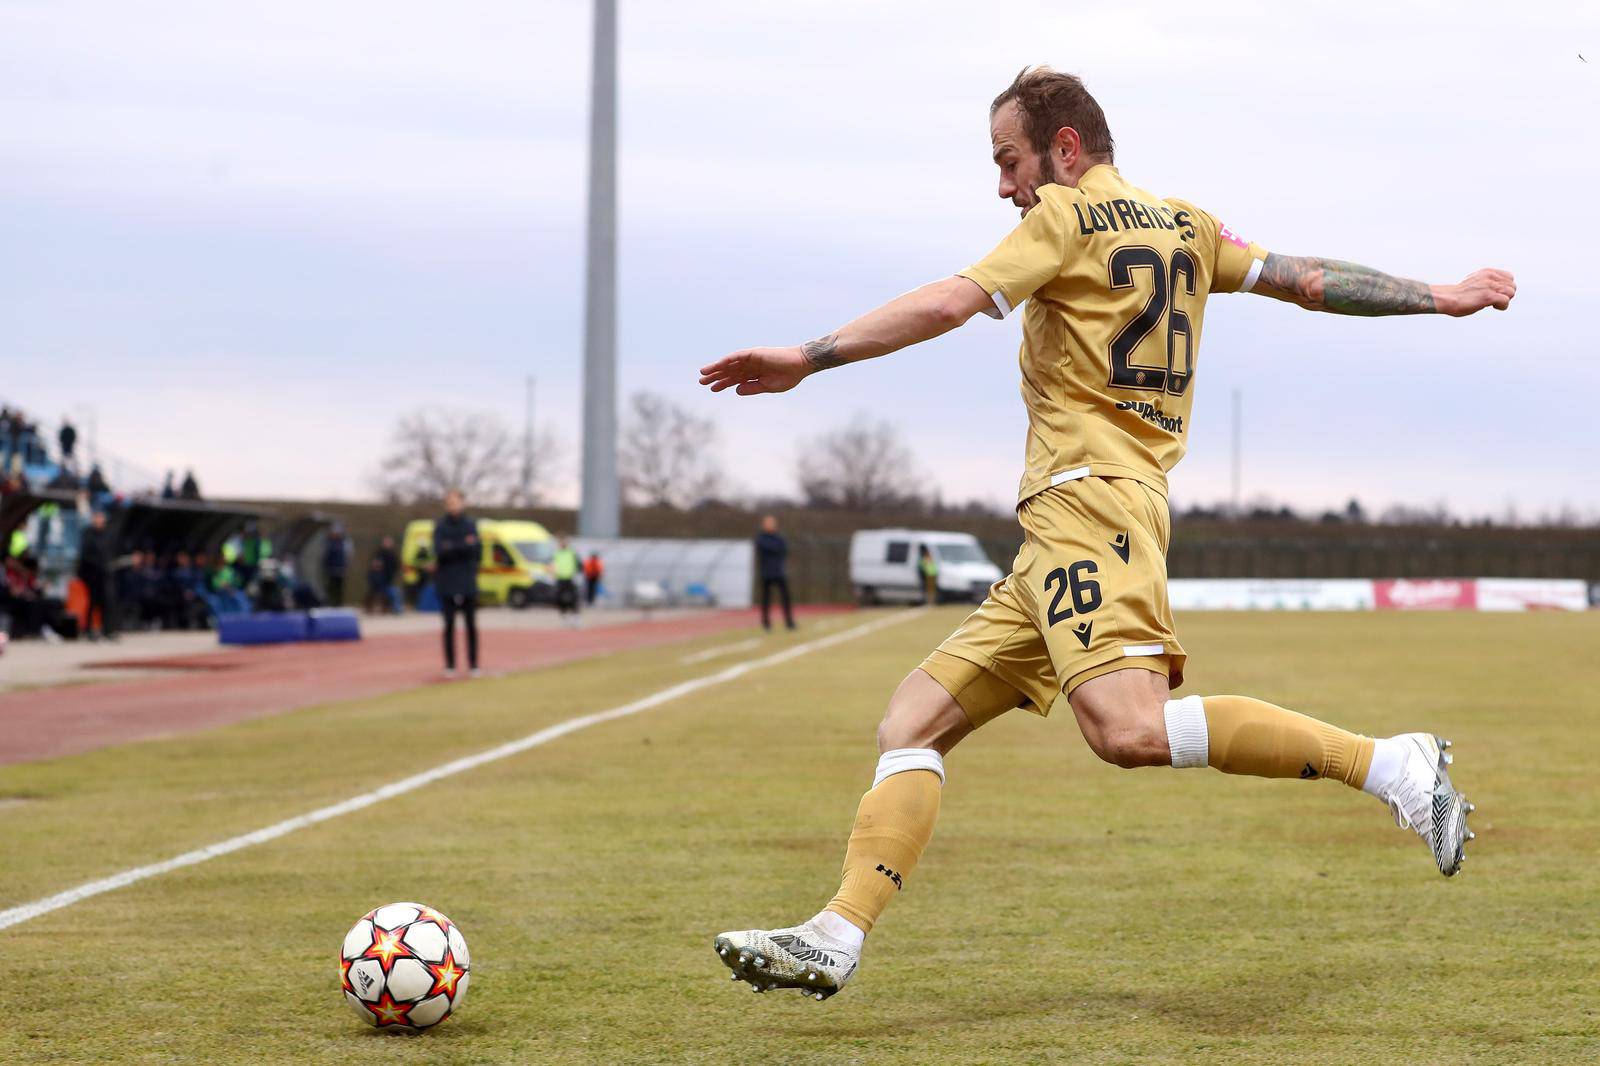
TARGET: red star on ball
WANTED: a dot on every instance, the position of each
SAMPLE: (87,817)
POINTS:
(445,976)
(344,975)
(387,1012)
(386,947)
(431,915)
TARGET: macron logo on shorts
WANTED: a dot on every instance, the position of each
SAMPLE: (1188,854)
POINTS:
(1228,235)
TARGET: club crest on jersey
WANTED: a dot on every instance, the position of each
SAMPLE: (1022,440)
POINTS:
(1228,235)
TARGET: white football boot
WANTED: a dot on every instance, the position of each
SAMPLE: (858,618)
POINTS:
(1422,799)
(802,956)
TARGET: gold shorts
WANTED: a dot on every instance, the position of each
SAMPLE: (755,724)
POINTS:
(1087,595)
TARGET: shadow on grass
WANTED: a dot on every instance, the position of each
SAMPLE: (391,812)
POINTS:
(1272,999)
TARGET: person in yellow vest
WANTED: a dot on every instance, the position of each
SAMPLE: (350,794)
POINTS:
(564,564)
(928,568)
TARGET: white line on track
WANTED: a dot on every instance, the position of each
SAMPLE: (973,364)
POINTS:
(28,911)
(721,650)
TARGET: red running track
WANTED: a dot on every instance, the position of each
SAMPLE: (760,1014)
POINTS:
(238,684)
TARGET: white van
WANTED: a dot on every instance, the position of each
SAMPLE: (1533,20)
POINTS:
(883,565)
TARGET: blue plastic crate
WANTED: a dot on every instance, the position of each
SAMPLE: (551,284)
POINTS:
(277,628)
(335,623)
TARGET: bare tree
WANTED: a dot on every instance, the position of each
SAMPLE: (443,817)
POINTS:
(538,468)
(861,466)
(668,454)
(432,449)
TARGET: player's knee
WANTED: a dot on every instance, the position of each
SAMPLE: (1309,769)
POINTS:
(903,727)
(1131,744)
(921,715)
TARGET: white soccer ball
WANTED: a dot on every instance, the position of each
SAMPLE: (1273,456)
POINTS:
(404,966)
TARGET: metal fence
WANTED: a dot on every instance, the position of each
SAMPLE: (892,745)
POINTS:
(819,566)
(715,573)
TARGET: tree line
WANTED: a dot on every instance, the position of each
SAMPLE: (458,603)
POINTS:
(669,458)
(667,454)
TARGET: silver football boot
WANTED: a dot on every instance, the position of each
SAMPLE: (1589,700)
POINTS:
(1422,799)
(802,957)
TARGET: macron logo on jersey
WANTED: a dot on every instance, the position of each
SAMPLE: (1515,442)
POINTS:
(1228,235)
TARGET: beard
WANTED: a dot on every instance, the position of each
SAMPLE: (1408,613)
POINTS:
(1047,170)
(1047,176)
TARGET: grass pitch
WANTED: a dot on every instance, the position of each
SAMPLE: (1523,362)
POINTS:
(1066,911)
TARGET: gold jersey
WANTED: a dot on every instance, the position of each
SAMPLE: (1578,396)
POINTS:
(1115,281)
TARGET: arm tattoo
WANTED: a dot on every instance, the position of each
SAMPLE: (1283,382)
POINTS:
(823,353)
(1344,288)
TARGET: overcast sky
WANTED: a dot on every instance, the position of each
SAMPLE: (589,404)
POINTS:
(249,234)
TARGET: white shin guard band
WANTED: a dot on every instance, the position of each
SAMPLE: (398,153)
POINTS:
(1186,732)
(900,760)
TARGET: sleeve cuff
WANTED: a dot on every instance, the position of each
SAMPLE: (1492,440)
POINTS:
(1002,306)
(1253,274)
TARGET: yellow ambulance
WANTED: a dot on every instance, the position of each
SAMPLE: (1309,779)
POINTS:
(514,569)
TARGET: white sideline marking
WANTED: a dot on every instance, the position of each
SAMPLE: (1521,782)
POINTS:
(720,650)
(28,911)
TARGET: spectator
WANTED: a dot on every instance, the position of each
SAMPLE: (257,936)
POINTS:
(300,594)
(16,428)
(254,550)
(274,588)
(772,561)
(564,564)
(223,583)
(13,483)
(68,438)
(188,607)
(167,491)
(593,571)
(381,589)
(335,562)
(928,568)
(191,487)
(455,580)
(151,600)
(97,482)
(32,612)
(128,590)
(95,557)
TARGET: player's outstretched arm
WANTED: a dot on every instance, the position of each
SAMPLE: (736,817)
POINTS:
(919,315)
(1342,288)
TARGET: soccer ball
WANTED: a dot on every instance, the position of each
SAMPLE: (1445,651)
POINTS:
(404,966)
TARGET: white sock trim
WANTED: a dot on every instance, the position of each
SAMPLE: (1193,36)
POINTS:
(1186,732)
(840,928)
(1388,762)
(900,760)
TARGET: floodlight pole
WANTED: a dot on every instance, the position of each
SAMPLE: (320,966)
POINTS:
(600,509)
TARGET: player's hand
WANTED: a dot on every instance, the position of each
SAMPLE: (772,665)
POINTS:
(1480,289)
(757,370)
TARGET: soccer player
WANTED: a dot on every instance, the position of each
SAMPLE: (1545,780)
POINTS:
(1112,283)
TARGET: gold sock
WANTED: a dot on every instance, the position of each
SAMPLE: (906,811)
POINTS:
(893,825)
(1249,736)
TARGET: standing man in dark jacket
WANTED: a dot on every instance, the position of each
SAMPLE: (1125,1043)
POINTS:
(457,551)
(95,557)
(68,439)
(380,580)
(772,562)
(335,563)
